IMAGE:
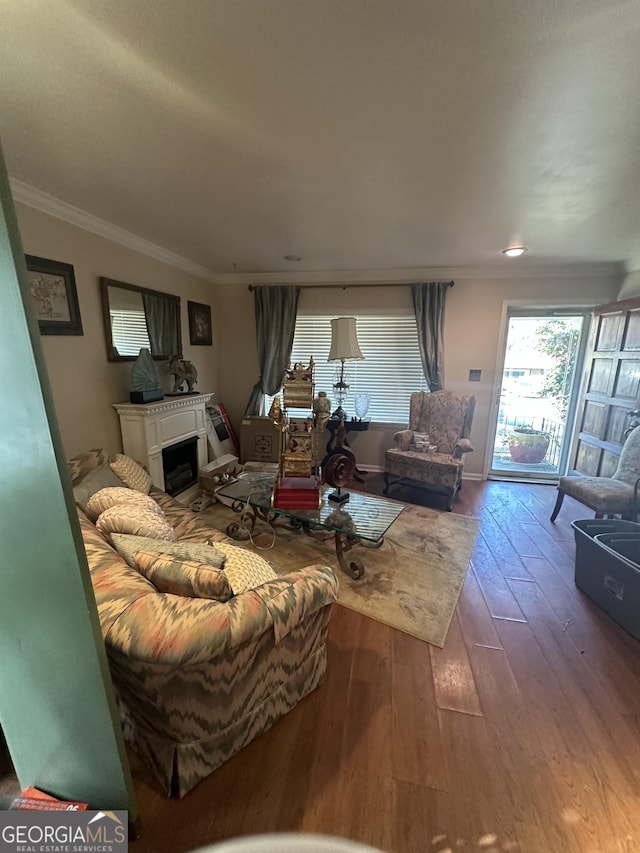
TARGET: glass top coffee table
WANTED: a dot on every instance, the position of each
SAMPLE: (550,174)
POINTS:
(362,520)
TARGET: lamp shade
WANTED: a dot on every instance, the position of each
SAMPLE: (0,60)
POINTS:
(344,340)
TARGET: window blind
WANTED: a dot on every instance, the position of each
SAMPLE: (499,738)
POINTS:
(129,331)
(390,371)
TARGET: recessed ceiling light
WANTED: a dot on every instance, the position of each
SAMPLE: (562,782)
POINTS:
(292,258)
(514,251)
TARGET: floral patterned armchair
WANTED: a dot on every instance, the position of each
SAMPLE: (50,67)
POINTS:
(430,453)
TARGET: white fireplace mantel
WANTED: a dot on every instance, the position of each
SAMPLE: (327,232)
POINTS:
(147,428)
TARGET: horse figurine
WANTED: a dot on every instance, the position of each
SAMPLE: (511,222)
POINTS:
(182,371)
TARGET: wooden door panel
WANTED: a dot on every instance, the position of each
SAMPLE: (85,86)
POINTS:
(609,332)
(612,388)
(626,384)
(588,459)
(632,332)
(618,422)
(608,464)
(594,420)
(601,376)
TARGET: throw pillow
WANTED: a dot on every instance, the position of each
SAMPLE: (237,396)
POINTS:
(421,441)
(106,498)
(244,569)
(98,479)
(128,546)
(131,474)
(128,518)
(82,464)
(178,576)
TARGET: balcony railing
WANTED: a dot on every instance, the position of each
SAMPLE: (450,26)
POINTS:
(506,425)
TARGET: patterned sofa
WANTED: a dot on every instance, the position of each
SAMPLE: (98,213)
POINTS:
(197,679)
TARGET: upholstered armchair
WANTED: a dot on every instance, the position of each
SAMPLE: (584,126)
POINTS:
(430,452)
(608,496)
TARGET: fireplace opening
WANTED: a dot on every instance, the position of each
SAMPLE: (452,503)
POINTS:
(180,463)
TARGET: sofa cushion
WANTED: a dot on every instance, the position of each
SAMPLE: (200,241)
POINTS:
(128,546)
(179,576)
(244,569)
(131,474)
(82,464)
(129,518)
(189,526)
(437,469)
(99,478)
(114,496)
(114,584)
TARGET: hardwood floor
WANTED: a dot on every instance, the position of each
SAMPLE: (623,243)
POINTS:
(521,734)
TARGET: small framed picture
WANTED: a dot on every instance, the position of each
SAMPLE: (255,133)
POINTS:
(55,298)
(199,324)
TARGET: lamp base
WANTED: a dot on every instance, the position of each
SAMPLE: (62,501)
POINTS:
(339,413)
(339,497)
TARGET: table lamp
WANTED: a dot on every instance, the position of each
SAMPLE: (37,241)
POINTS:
(344,347)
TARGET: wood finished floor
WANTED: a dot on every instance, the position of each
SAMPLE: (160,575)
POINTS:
(521,734)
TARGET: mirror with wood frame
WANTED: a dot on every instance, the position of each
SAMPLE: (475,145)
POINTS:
(136,317)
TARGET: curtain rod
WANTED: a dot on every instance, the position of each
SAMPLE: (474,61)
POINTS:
(342,286)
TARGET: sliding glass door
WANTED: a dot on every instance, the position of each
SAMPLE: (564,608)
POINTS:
(542,365)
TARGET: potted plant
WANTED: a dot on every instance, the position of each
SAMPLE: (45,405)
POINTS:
(528,446)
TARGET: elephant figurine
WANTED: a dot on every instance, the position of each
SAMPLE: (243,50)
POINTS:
(182,371)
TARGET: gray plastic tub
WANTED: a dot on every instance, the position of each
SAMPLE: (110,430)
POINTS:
(607,568)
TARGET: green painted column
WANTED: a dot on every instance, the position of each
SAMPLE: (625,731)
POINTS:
(57,707)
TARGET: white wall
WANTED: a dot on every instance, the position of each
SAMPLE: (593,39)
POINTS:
(83,382)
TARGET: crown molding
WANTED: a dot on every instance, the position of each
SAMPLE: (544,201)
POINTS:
(511,268)
(409,275)
(46,203)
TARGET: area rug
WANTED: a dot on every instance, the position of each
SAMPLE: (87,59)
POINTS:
(412,582)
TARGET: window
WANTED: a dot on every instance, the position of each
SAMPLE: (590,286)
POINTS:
(391,369)
(129,331)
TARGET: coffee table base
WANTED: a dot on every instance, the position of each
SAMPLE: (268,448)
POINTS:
(351,566)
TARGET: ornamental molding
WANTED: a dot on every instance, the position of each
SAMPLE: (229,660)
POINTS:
(189,401)
(53,206)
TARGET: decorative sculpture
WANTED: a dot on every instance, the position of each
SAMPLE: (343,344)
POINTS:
(322,410)
(296,485)
(182,371)
(145,379)
(339,466)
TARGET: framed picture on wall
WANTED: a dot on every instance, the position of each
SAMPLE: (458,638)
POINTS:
(199,324)
(53,288)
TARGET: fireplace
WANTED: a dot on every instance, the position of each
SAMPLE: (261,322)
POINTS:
(180,465)
(165,435)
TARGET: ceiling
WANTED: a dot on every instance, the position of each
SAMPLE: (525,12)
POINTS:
(356,134)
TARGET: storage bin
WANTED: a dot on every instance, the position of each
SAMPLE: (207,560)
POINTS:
(209,475)
(607,568)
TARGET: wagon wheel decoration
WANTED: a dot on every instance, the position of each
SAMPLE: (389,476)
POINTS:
(339,467)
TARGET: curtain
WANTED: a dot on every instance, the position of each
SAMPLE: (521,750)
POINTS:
(275,309)
(428,305)
(161,315)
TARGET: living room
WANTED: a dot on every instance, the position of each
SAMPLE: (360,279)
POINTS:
(473,320)
(576,257)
